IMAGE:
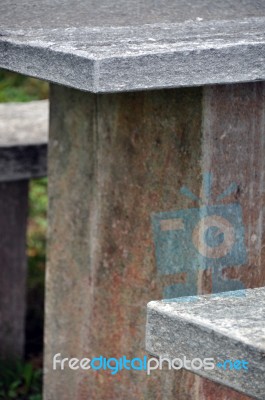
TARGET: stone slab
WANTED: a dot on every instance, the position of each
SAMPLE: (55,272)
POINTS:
(23,140)
(230,326)
(112,46)
(24,124)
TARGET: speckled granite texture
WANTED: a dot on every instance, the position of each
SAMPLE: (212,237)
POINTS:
(223,327)
(112,46)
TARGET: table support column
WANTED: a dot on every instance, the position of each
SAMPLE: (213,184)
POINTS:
(233,150)
(114,160)
(13,267)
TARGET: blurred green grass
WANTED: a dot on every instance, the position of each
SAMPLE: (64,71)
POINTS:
(20,88)
(20,381)
(23,380)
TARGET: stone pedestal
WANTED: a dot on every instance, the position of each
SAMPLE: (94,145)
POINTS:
(116,160)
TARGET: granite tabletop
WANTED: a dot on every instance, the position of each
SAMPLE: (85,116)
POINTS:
(114,46)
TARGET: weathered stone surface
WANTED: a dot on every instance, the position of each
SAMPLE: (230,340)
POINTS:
(233,150)
(209,390)
(24,124)
(222,328)
(109,47)
(232,154)
(113,160)
(23,140)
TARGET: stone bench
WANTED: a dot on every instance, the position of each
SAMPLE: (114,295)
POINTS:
(226,328)
(121,149)
(23,156)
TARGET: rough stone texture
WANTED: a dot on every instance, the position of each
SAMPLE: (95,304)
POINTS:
(112,46)
(209,390)
(233,149)
(113,160)
(24,123)
(23,140)
(122,13)
(218,327)
(13,267)
(233,152)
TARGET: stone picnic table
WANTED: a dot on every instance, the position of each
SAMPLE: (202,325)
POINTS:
(145,98)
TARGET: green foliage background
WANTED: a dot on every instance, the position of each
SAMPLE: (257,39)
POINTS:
(20,88)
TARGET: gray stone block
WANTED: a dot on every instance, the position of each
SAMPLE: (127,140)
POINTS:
(111,47)
(23,140)
(24,124)
(228,326)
